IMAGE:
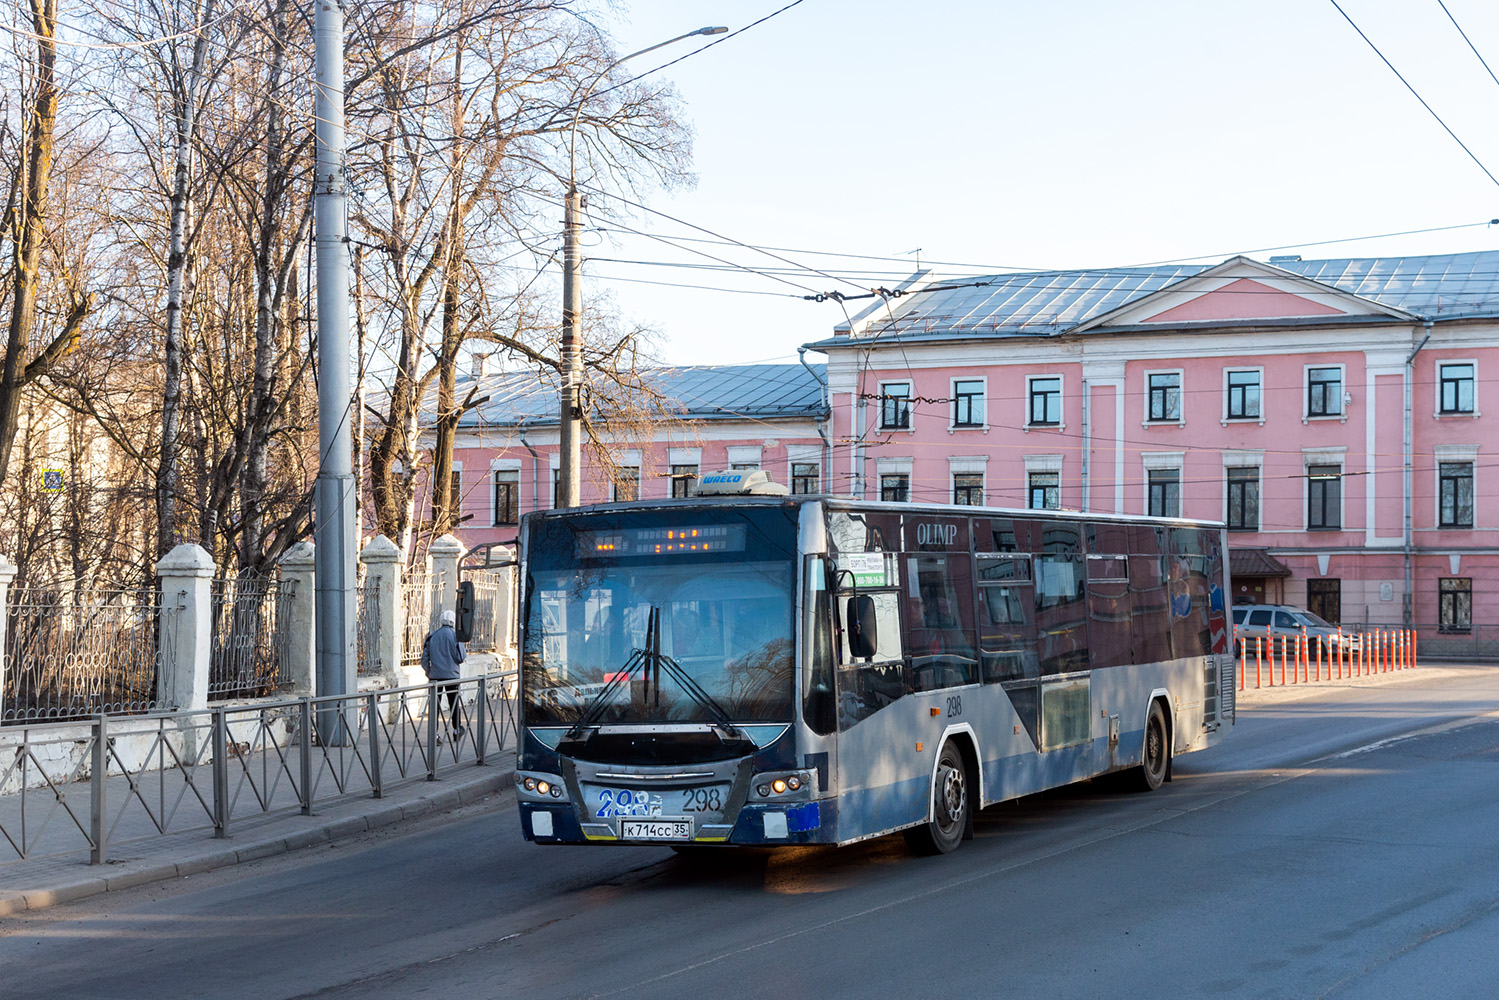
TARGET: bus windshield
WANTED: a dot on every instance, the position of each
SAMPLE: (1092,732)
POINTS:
(660,616)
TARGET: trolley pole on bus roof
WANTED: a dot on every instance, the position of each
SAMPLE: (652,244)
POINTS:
(333,507)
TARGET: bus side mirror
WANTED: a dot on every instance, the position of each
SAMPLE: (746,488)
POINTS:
(863,639)
(465,612)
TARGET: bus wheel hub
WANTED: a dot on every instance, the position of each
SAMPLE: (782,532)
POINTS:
(950,793)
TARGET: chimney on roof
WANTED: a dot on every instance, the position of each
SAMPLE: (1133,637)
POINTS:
(481,362)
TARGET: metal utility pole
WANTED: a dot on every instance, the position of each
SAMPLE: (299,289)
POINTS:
(333,507)
(570,410)
(570,440)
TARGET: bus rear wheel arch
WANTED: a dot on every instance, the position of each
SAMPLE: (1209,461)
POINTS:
(954,785)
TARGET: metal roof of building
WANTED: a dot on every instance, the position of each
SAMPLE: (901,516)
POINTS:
(1045,303)
(699,392)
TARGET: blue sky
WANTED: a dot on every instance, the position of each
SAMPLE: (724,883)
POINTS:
(1040,135)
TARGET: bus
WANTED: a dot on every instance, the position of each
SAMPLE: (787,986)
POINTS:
(743,666)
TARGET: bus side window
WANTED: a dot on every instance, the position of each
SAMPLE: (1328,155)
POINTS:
(819,708)
(1006,624)
(939,595)
(867,685)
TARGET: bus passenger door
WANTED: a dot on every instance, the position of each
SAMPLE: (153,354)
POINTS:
(875,726)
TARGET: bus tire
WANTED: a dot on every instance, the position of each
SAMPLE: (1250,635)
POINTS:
(951,802)
(1155,757)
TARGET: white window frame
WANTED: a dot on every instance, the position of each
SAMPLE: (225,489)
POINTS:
(1162,461)
(910,387)
(745,455)
(1040,463)
(968,465)
(1320,456)
(1225,420)
(1025,402)
(1306,385)
(952,411)
(804,454)
(503,465)
(1436,405)
(1452,453)
(1248,459)
(1180,420)
(462,491)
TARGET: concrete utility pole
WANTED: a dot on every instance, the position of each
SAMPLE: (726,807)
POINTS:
(570,410)
(333,529)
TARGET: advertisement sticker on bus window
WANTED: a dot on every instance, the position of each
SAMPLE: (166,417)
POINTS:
(868,568)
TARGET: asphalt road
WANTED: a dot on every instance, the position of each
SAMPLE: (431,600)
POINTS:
(1343,846)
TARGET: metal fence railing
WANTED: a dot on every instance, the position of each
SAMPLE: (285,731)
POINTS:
(417,589)
(71,655)
(210,770)
(367,627)
(248,649)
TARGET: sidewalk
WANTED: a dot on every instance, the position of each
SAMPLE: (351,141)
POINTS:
(140,855)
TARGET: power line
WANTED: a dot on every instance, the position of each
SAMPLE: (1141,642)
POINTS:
(1414,94)
(1460,31)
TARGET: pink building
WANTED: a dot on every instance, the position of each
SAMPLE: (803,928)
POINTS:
(1328,411)
(719,417)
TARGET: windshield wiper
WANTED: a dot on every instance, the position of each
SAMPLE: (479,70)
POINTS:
(652,659)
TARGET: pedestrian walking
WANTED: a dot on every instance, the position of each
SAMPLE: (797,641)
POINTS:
(441,655)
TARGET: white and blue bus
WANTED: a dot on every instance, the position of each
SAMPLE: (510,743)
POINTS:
(754,668)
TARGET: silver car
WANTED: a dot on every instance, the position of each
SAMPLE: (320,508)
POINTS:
(1279,621)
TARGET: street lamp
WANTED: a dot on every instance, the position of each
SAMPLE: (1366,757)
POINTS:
(570,411)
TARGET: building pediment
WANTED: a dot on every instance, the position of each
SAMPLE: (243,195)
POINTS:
(1241,291)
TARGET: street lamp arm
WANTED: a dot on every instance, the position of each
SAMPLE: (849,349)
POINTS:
(572,149)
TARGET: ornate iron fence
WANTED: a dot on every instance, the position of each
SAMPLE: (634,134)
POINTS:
(488,610)
(418,614)
(71,655)
(368,626)
(248,651)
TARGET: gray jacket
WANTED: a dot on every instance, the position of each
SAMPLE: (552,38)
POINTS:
(444,653)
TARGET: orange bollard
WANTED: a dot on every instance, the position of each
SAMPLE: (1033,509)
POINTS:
(1284,642)
(1243,657)
(1258,660)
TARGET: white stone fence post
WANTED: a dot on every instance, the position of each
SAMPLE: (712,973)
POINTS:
(186,628)
(299,569)
(382,561)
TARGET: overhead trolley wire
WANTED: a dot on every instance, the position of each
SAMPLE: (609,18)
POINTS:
(1414,93)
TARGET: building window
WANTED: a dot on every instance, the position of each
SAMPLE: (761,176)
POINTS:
(1165,396)
(806,477)
(1165,493)
(1243,395)
(895,486)
(1324,392)
(556,485)
(1045,402)
(895,406)
(968,402)
(1455,491)
(1045,491)
(1324,598)
(1455,613)
(968,489)
(681,479)
(506,496)
(455,494)
(1456,385)
(627,482)
(1244,499)
(1324,497)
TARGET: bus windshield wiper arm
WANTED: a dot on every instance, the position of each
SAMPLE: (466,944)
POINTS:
(695,691)
(595,707)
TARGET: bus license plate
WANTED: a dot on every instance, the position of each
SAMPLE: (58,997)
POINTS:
(655,829)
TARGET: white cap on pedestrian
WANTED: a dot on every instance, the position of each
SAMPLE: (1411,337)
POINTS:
(448,618)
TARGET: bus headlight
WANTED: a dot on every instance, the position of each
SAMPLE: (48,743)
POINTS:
(542,787)
(530,784)
(793,786)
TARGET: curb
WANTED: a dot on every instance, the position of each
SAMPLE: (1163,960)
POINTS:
(387,813)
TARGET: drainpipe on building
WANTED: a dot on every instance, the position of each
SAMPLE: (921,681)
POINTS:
(535,464)
(1408,449)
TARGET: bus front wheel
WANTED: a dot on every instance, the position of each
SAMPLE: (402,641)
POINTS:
(950,804)
(1156,755)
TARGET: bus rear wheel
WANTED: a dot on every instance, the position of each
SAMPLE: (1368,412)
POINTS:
(1156,756)
(950,805)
